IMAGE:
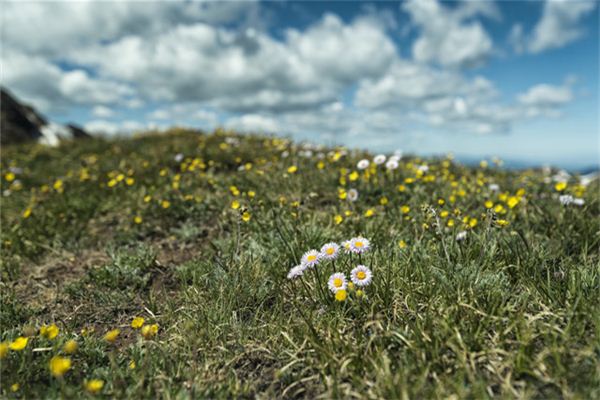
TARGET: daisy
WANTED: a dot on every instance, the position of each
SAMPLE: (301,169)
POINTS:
(379,159)
(359,245)
(337,282)
(330,251)
(462,235)
(352,195)
(494,187)
(565,199)
(361,276)
(310,258)
(392,164)
(347,245)
(296,271)
(363,164)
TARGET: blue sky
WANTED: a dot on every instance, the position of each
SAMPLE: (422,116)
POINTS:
(515,79)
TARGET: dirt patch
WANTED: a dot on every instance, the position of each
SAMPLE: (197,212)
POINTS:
(41,283)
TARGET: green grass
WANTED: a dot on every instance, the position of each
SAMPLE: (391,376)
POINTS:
(511,311)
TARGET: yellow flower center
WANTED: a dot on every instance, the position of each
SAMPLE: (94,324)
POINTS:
(359,244)
(311,257)
(338,282)
(361,275)
(330,251)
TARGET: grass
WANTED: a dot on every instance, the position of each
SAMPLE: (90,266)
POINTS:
(95,233)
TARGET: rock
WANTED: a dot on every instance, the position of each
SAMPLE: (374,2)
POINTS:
(20,123)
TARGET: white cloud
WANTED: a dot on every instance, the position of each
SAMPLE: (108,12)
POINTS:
(544,95)
(102,112)
(49,87)
(248,70)
(410,84)
(559,24)
(253,123)
(72,25)
(111,128)
(448,37)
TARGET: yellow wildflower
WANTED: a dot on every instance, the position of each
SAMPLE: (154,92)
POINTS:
(137,219)
(27,212)
(112,335)
(235,205)
(560,186)
(512,201)
(246,216)
(94,386)
(402,244)
(71,346)
(338,219)
(49,332)
(383,201)
(59,366)
(165,204)
(405,209)
(18,344)
(488,204)
(369,213)
(149,331)
(341,295)
(292,169)
(9,177)
(353,176)
(14,387)
(137,322)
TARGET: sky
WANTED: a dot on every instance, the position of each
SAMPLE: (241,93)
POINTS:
(513,79)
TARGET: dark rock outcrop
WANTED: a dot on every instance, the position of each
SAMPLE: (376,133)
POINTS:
(21,123)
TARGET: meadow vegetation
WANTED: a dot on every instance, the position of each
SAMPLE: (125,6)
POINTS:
(160,266)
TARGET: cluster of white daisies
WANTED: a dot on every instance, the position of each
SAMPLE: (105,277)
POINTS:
(391,164)
(360,276)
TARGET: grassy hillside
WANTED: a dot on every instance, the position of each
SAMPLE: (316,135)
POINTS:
(484,284)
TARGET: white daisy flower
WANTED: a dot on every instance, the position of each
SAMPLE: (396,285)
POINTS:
(565,199)
(363,164)
(361,276)
(494,187)
(423,168)
(178,157)
(578,201)
(310,258)
(330,251)
(392,164)
(337,282)
(379,159)
(347,246)
(352,195)
(296,271)
(359,245)
(462,235)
